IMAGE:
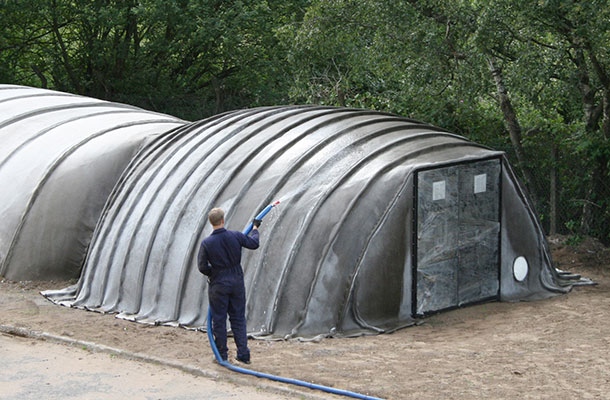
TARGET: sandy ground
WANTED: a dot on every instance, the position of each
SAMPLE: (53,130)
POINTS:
(551,349)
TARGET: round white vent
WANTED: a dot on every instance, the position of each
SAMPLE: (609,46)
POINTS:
(520,268)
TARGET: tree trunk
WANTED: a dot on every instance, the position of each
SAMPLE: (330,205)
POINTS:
(601,73)
(123,44)
(341,96)
(220,95)
(592,115)
(554,189)
(586,91)
(64,52)
(40,75)
(513,126)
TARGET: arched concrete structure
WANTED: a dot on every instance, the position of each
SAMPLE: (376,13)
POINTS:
(381,219)
(60,157)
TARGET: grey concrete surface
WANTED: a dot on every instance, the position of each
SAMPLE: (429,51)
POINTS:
(35,369)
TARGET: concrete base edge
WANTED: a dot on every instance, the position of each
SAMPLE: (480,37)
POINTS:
(100,348)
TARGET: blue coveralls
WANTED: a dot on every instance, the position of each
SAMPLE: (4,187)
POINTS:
(220,259)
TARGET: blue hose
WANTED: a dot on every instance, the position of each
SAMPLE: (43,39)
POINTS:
(261,215)
(232,367)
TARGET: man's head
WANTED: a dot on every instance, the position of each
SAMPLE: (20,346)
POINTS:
(216,217)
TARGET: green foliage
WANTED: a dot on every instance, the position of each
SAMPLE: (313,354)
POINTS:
(425,59)
(191,58)
(575,238)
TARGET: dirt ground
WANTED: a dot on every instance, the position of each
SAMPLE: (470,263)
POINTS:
(551,349)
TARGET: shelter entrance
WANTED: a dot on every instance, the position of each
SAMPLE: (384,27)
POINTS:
(457,245)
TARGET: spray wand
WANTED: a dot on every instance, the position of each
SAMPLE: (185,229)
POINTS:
(260,216)
(235,368)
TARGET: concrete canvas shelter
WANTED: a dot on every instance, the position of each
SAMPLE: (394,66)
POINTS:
(60,156)
(382,219)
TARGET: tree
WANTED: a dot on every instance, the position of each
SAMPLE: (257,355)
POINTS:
(544,65)
(529,78)
(191,58)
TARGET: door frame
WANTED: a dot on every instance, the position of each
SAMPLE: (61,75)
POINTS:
(414,237)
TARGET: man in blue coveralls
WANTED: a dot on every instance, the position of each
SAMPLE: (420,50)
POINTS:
(220,259)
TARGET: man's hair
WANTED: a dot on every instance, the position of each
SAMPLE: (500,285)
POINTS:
(216,215)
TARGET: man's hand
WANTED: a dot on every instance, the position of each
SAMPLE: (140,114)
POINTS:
(256,223)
